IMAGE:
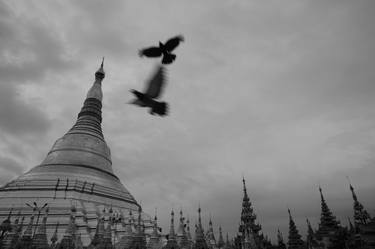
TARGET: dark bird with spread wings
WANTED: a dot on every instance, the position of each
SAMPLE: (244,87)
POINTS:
(153,91)
(164,50)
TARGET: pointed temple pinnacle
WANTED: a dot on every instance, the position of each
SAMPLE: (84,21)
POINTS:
(244,189)
(321,193)
(100,74)
(352,189)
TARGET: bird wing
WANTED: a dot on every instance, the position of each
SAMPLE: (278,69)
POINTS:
(150,52)
(173,42)
(156,83)
(137,102)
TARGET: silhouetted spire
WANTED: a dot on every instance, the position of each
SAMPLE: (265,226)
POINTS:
(280,240)
(188,233)
(200,241)
(127,240)
(171,228)
(351,227)
(54,237)
(6,225)
(26,239)
(210,234)
(12,237)
(328,223)
(361,216)
(294,238)
(220,242)
(154,242)
(100,74)
(248,217)
(40,239)
(310,238)
(107,236)
(245,196)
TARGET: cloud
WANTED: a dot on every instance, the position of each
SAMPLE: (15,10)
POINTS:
(20,117)
(29,48)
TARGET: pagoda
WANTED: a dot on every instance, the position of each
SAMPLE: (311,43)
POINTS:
(200,241)
(171,238)
(182,237)
(77,170)
(328,226)
(248,229)
(210,235)
(280,240)
(155,240)
(220,243)
(294,238)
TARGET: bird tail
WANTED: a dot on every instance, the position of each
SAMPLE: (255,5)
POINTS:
(140,53)
(168,58)
(160,108)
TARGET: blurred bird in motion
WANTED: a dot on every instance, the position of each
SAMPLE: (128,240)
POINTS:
(163,50)
(153,91)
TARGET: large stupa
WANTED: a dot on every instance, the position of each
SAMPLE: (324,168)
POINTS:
(77,172)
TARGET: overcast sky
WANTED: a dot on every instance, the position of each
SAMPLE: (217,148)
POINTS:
(280,92)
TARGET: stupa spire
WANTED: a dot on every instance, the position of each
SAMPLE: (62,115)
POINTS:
(200,241)
(90,116)
(221,242)
(245,196)
(310,238)
(70,232)
(361,216)
(188,233)
(280,240)
(40,239)
(294,238)
(155,232)
(328,221)
(248,217)
(171,228)
(54,237)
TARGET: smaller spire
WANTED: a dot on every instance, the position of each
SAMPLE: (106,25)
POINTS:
(352,189)
(321,194)
(171,230)
(54,236)
(294,238)
(351,227)
(199,215)
(244,189)
(220,243)
(188,229)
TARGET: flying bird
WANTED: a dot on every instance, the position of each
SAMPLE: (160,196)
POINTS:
(153,91)
(163,50)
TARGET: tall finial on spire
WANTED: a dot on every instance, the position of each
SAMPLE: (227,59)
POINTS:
(321,193)
(100,74)
(245,196)
(199,214)
(352,189)
(171,230)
